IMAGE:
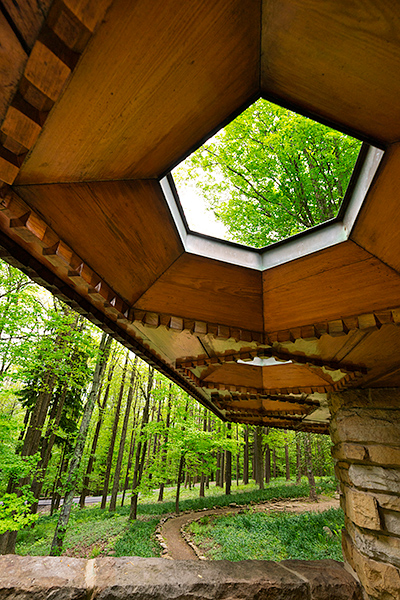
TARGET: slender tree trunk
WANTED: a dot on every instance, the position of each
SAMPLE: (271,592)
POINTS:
(274,462)
(165,446)
(298,460)
(203,477)
(55,496)
(309,467)
(104,351)
(131,447)
(141,448)
(258,456)
(110,453)
(218,469)
(267,464)
(228,463)
(178,484)
(92,455)
(121,449)
(237,457)
(181,466)
(47,447)
(287,464)
(246,456)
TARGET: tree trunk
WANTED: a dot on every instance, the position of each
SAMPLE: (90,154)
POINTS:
(228,463)
(274,462)
(181,466)
(141,447)
(203,477)
(309,467)
(298,460)
(104,351)
(165,446)
(258,456)
(178,484)
(121,449)
(267,464)
(47,447)
(110,453)
(287,464)
(218,469)
(92,455)
(237,457)
(246,456)
(63,465)
(131,447)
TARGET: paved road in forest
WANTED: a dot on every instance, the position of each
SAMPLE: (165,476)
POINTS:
(46,502)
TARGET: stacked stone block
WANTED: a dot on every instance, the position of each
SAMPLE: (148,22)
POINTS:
(365,430)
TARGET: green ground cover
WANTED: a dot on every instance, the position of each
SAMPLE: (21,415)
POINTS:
(270,536)
(92,531)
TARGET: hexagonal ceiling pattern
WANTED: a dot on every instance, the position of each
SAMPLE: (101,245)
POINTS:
(100,100)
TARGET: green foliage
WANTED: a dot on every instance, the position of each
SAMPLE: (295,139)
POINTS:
(272,173)
(15,511)
(271,536)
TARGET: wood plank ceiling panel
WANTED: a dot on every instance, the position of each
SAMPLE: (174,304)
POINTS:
(208,290)
(336,59)
(238,375)
(292,376)
(271,377)
(340,281)
(108,225)
(377,229)
(380,352)
(156,79)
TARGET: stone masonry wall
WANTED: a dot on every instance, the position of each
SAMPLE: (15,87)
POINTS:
(64,578)
(365,430)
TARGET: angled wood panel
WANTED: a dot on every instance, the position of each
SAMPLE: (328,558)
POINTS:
(205,289)
(293,376)
(340,281)
(336,59)
(232,374)
(157,78)
(377,228)
(122,229)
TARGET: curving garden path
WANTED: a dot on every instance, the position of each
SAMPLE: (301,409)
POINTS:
(179,549)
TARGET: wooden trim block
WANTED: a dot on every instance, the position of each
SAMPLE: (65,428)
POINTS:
(367,322)
(20,128)
(10,164)
(46,72)
(61,255)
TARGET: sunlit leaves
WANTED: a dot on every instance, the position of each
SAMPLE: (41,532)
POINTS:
(272,173)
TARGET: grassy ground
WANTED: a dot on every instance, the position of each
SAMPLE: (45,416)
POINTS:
(270,536)
(93,532)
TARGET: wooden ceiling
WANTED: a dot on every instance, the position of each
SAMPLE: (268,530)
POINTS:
(99,99)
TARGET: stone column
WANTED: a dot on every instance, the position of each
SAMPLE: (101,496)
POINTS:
(365,430)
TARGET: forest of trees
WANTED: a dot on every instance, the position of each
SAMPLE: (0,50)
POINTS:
(80,415)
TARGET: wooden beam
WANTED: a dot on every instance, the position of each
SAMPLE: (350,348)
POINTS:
(54,55)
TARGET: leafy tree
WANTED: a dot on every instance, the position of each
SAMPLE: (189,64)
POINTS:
(272,173)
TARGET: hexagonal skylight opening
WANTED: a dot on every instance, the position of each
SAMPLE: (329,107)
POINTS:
(325,165)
